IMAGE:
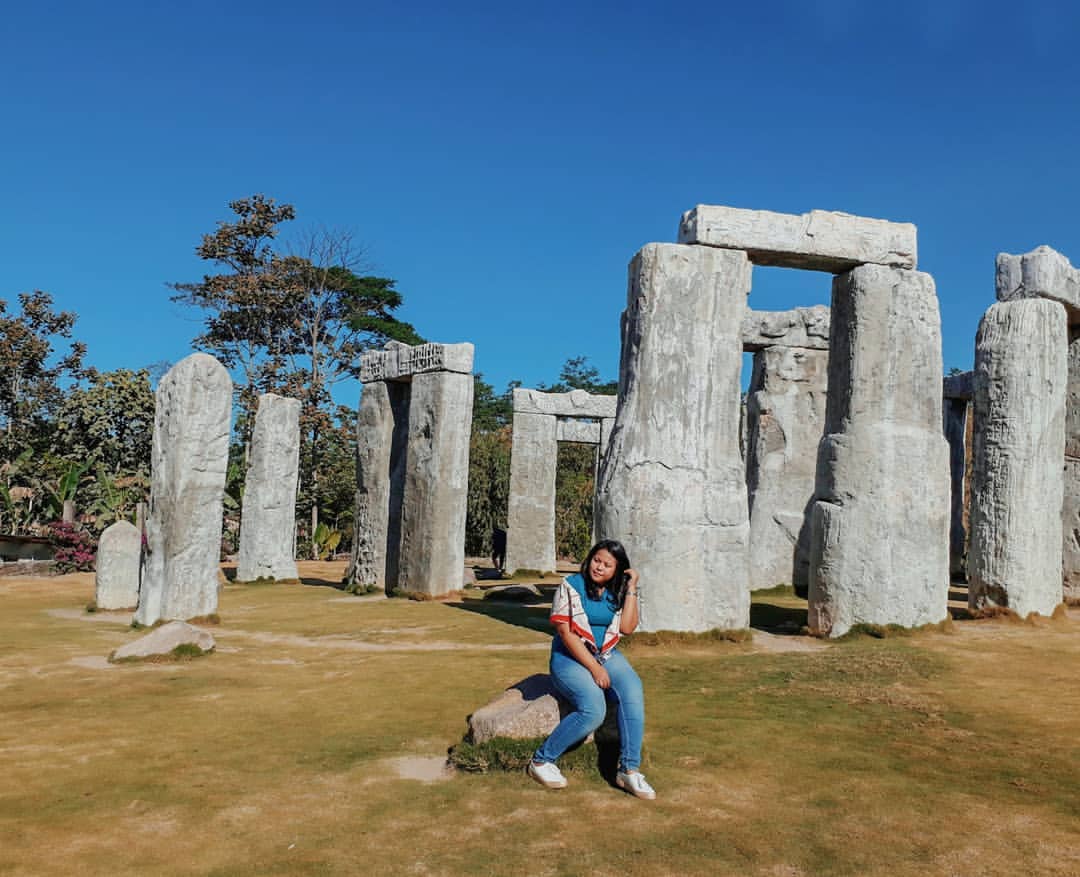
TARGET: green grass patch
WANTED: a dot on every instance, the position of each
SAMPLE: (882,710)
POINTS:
(677,637)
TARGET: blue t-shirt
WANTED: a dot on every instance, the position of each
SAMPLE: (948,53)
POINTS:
(599,612)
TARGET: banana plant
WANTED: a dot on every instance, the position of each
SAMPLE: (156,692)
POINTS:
(326,541)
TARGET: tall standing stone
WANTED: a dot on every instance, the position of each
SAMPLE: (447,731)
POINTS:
(1014,556)
(880,522)
(672,484)
(116,579)
(530,537)
(432,555)
(1046,273)
(268,522)
(190,454)
(374,442)
(786,418)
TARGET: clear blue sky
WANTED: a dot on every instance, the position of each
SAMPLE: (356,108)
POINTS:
(504,161)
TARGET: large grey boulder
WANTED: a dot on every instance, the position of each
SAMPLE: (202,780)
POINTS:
(116,578)
(268,522)
(786,419)
(672,485)
(192,408)
(529,708)
(880,521)
(164,640)
(820,240)
(1014,554)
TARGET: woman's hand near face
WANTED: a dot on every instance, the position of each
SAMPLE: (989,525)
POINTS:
(631,579)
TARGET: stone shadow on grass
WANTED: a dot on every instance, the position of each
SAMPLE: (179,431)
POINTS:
(777,618)
(517,614)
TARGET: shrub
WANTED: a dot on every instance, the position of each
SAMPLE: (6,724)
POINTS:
(75,548)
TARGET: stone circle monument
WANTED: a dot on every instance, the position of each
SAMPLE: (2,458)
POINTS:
(672,484)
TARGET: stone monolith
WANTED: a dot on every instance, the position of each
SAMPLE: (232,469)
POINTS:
(268,521)
(786,419)
(116,580)
(672,485)
(1014,551)
(880,520)
(433,509)
(192,407)
(530,531)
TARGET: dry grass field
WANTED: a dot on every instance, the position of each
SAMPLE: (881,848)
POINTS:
(310,743)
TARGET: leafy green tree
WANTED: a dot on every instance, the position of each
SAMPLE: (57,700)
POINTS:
(577,374)
(489,464)
(31,369)
(293,322)
(109,422)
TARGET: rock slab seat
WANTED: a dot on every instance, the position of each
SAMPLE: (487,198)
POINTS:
(163,640)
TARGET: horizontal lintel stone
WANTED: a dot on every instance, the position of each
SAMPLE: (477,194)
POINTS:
(801,327)
(576,403)
(1042,273)
(584,431)
(821,240)
(399,362)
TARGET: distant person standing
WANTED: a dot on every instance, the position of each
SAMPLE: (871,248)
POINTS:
(590,611)
(498,549)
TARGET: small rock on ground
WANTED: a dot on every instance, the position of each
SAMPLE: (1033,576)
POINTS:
(162,641)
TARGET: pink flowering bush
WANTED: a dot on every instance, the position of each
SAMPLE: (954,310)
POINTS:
(75,548)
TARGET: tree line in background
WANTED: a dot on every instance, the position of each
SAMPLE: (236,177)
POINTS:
(292,320)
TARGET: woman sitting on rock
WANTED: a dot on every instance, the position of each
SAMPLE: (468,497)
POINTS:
(590,611)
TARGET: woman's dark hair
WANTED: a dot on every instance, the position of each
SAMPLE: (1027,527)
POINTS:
(617,588)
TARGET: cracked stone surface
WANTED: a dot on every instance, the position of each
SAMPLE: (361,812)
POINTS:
(672,485)
(786,419)
(801,327)
(431,552)
(1042,273)
(1021,372)
(530,531)
(268,522)
(880,521)
(192,410)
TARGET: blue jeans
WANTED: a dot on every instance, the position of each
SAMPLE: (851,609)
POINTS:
(574,683)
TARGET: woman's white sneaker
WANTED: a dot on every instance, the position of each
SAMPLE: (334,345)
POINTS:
(634,783)
(547,774)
